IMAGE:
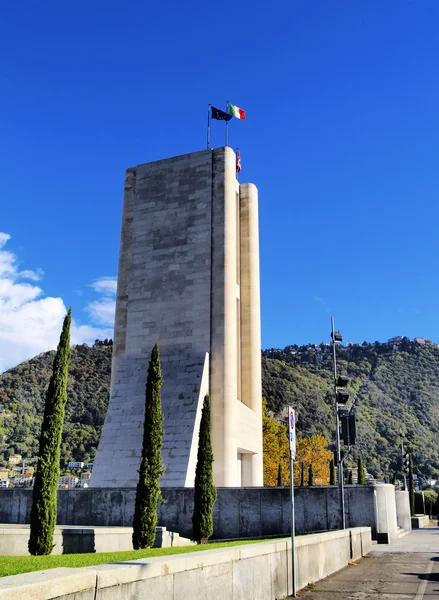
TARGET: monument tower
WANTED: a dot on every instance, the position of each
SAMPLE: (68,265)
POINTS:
(188,279)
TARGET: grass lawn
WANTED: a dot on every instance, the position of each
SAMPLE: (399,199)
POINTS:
(14,565)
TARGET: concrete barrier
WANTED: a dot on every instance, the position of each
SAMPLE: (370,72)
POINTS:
(261,570)
(420,521)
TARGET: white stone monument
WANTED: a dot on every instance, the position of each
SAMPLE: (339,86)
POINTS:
(189,280)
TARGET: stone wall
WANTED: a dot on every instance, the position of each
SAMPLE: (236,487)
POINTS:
(238,512)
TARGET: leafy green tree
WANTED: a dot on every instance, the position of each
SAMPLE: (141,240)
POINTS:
(310,476)
(331,472)
(151,466)
(279,476)
(411,487)
(361,472)
(302,475)
(205,491)
(425,500)
(430,498)
(43,511)
(351,478)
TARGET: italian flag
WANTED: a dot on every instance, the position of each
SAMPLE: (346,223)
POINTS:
(237,112)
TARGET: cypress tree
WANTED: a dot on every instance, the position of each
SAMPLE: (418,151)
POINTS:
(395,475)
(351,478)
(331,472)
(310,475)
(411,487)
(279,476)
(43,511)
(361,473)
(302,475)
(151,466)
(205,491)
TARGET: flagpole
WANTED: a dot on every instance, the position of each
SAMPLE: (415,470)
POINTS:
(227,124)
(237,172)
(208,125)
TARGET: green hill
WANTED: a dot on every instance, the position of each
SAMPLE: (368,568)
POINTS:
(394,386)
(22,394)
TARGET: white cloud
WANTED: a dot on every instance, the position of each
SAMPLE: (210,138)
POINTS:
(102,311)
(33,275)
(87,334)
(4,237)
(29,322)
(8,261)
(105,285)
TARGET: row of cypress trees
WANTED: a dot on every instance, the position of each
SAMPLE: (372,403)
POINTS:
(44,498)
(332,474)
(361,477)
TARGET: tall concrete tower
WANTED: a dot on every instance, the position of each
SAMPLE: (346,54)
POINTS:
(189,280)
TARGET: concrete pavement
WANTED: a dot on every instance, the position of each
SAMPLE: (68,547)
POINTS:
(408,569)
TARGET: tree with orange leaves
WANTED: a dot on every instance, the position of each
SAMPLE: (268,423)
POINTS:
(310,451)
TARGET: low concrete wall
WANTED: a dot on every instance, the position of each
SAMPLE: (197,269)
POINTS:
(238,512)
(420,521)
(403,518)
(71,539)
(261,570)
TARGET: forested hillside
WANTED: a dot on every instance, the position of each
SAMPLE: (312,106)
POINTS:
(394,385)
(22,394)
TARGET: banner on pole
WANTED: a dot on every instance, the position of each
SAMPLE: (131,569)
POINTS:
(292,430)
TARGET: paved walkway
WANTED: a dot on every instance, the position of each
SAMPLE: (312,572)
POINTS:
(405,570)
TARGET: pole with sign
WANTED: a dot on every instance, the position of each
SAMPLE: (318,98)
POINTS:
(292,437)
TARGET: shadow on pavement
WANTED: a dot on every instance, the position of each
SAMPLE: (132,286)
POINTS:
(427,576)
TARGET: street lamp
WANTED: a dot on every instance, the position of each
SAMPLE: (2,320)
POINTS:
(404,459)
(341,397)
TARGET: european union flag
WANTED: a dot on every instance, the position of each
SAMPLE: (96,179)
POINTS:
(220,115)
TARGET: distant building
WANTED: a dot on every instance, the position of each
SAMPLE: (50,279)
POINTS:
(4,474)
(83,483)
(28,470)
(15,459)
(90,465)
(319,358)
(85,475)
(396,339)
(4,483)
(67,480)
(75,465)
(20,479)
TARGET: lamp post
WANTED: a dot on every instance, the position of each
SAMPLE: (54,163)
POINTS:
(404,459)
(341,397)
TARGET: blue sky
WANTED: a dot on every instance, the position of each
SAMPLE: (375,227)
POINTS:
(341,138)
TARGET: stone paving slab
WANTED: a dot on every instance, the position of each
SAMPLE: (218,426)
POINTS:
(407,569)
